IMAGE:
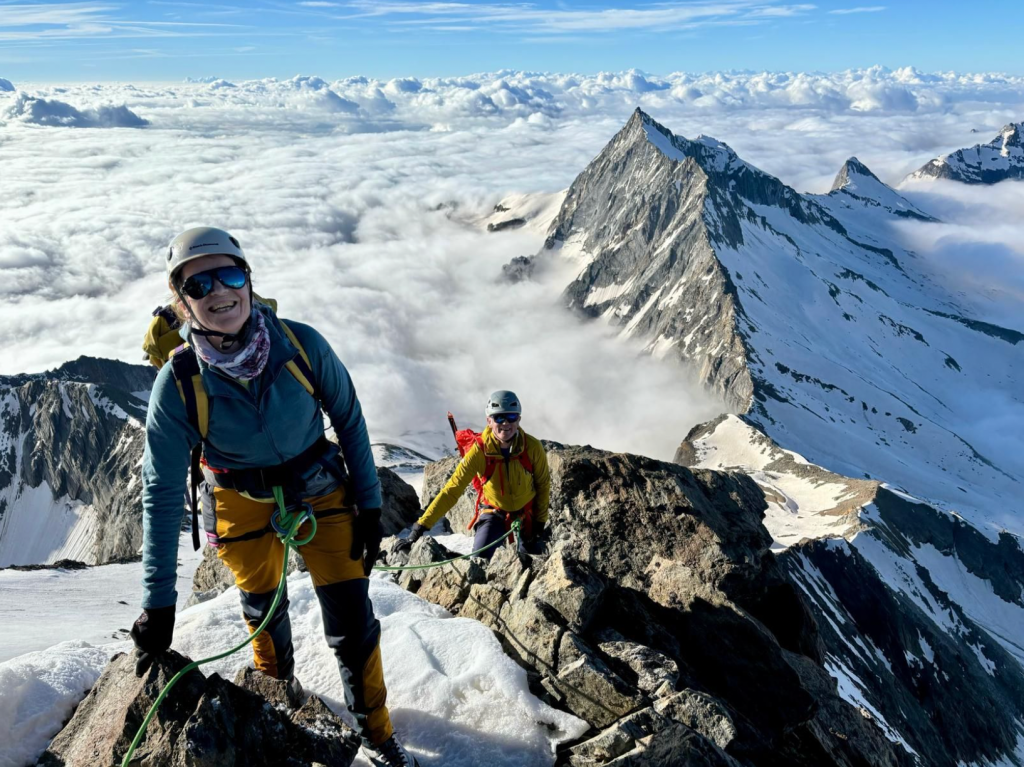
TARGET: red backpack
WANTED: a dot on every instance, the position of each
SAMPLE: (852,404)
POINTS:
(466,438)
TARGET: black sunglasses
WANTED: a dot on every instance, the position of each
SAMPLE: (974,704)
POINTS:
(199,285)
(502,418)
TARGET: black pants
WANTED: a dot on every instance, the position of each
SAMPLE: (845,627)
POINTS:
(488,529)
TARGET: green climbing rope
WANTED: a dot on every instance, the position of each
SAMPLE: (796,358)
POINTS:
(290,522)
(515,529)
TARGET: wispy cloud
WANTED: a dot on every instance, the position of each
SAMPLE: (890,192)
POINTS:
(782,11)
(26,23)
(33,14)
(860,9)
(525,17)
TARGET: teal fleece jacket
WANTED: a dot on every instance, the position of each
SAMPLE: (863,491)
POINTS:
(272,421)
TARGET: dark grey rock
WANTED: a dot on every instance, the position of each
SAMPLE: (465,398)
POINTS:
(81,431)
(519,269)
(508,223)
(652,564)
(203,722)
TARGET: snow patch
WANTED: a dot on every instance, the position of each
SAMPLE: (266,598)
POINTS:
(444,675)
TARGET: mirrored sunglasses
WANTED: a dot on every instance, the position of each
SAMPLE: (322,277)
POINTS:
(503,418)
(199,285)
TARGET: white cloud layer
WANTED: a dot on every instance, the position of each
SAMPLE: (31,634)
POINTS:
(362,204)
(59,114)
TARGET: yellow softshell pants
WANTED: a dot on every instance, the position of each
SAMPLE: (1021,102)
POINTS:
(351,629)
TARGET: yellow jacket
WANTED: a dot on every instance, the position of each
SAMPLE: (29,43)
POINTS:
(511,486)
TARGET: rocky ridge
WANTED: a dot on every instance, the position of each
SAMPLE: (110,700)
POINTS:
(919,613)
(661,617)
(1000,159)
(70,443)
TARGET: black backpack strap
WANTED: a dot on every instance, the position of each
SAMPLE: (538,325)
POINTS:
(185,368)
(195,471)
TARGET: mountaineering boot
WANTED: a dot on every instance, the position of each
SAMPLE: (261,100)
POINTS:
(296,694)
(390,753)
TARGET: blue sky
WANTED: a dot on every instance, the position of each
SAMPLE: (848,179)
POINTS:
(169,40)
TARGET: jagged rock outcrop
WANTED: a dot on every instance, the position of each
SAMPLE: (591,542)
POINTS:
(1000,159)
(203,722)
(801,311)
(660,616)
(920,614)
(518,269)
(70,443)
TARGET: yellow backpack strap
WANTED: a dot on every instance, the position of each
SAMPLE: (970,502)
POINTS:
(161,337)
(185,367)
(300,366)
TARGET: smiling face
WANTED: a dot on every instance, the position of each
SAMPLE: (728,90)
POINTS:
(223,309)
(505,432)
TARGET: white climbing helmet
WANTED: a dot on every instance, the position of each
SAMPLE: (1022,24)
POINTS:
(198,242)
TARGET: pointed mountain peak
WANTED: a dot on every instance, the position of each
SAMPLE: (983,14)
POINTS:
(712,155)
(1012,135)
(851,170)
(855,180)
(1000,159)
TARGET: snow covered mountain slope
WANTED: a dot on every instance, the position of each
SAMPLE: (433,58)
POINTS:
(803,311)
(1000,159)
(855,184)
(920,615)
(70,443)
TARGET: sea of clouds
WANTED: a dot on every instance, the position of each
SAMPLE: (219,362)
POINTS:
(362,204)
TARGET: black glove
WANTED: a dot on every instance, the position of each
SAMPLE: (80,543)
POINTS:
(538,539)
(404,544)
(366,535)
(152,634)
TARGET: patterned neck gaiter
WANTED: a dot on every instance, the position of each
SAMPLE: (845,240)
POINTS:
(244,363)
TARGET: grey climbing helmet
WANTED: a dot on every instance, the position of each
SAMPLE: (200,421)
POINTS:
(503,402)
(198,242)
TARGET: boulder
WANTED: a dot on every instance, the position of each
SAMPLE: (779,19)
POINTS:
(700,712)
(203,722)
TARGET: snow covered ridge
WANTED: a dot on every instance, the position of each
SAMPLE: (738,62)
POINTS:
(1000,159)
(804,311)
(71,440)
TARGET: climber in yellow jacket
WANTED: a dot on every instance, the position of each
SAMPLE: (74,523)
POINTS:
(512,467)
